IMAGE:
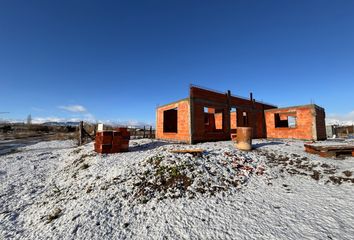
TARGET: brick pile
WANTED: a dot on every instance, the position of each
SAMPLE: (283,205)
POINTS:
(112,141)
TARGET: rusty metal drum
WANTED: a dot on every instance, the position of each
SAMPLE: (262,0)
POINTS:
(244,138)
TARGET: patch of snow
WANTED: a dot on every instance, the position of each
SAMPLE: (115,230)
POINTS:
(56,190)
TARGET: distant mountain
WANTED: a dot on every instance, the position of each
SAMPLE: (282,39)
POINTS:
(331,121)
(72,124)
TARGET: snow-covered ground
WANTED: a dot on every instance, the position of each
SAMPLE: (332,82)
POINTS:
(54,190)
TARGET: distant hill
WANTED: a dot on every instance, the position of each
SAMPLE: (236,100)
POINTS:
(331,121)
(73,124)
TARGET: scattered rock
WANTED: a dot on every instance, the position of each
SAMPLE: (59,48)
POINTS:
(176,175)
(316,175)
(54,215)
(347,173)
(89,189)
(84,166)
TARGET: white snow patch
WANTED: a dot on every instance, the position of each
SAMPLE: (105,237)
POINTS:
(55,190)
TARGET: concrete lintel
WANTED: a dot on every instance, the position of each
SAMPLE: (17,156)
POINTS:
(165,105)
(299,106)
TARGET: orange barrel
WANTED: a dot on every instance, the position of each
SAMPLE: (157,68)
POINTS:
(244,138)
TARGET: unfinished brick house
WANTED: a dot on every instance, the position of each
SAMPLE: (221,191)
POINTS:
(209,116)
(300,122)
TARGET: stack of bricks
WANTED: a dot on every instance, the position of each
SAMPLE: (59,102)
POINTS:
(112,141)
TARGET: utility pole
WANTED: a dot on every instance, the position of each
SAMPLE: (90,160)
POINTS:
(29,119)
(81,135)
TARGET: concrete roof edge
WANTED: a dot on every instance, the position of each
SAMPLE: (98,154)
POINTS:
(181,100)
(298,106)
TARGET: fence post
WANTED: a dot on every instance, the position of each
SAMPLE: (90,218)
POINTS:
(81,126)
(150,131)
(144,132)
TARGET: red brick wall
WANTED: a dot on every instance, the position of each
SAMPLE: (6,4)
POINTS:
(233,123)
(183,126)
(210,126)
(202,132)
(207,94)
(255,115)
(206,98)
(196,92)
(305,123)
(259,129)
(218,120)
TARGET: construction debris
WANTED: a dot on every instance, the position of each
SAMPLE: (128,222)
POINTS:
(190,151)
(165,175)
(330,150)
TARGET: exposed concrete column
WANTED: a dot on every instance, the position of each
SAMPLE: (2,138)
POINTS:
(314,123)
(228,118)
(191,116)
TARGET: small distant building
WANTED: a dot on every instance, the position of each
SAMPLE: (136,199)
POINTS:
(340,131)
(345,131)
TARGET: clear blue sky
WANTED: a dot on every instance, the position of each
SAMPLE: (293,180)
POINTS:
(119,59)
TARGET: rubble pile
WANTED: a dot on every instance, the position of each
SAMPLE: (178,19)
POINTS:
(172,175)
